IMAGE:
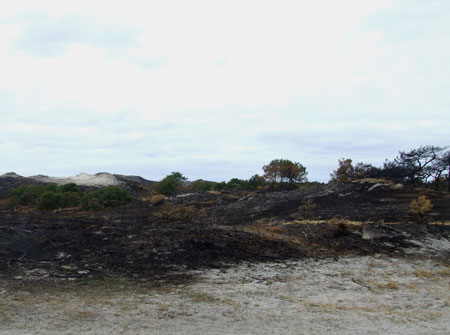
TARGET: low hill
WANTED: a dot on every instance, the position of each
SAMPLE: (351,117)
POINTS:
(146,238)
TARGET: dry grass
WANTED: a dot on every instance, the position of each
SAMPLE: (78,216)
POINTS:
(338,221)
(423,273)
(391,285)
(180,212)
(155,199)
(203,297)
(373,181)
(276,232)
(204,203)
(275,229)
(214,192)
(6,204)
(413,287)
(444,272)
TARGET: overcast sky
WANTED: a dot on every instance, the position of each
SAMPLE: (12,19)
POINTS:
(217,89)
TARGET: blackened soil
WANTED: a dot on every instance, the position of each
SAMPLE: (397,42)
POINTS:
(125,244)
(236,226)
(114,244)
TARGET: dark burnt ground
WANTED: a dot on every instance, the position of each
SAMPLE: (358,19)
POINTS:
(122,243)
(258,226)
(354,201)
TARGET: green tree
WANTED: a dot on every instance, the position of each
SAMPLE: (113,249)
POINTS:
(169,185)
(284,170)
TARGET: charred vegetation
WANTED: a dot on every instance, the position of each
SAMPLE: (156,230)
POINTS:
(162,235)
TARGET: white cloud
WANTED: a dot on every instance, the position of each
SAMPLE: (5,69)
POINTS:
(219,88)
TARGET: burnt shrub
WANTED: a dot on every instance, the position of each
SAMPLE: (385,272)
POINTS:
(307,209)
(110,196)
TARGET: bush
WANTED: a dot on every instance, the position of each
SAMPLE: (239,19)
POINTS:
(28,194)
(47,196)
(71,187)
(253,183)
(55,200)
(307,209)
(203,186)
(341,226)
(169,185)
(110,196)
(156,199)
(50,200)
(419,207)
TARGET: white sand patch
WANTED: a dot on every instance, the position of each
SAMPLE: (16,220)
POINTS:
(431,246)
(353,295)
(98,179)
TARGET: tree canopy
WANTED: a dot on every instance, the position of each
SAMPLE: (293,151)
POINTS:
(284,170)
(169,184)
(424,165)
(347,172)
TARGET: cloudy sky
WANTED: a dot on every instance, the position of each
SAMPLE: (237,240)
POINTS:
(217,89)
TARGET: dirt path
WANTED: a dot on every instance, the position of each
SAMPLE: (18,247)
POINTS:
(353,295)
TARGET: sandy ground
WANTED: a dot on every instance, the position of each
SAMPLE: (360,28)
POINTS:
(353,295)
(99,179)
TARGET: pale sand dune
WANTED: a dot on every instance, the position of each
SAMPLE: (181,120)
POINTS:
(98,179)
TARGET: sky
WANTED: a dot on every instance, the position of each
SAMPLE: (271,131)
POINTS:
(217,89)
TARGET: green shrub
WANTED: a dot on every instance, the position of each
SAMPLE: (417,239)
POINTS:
(28,194)
(169,185)
(220,186)
(71,187)
(50,196)
(240,184)
(50,200)
(237,184)
(256,181)
(55,200)
(203,186)
(110,196)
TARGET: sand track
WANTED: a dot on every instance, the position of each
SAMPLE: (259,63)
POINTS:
(351,295)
